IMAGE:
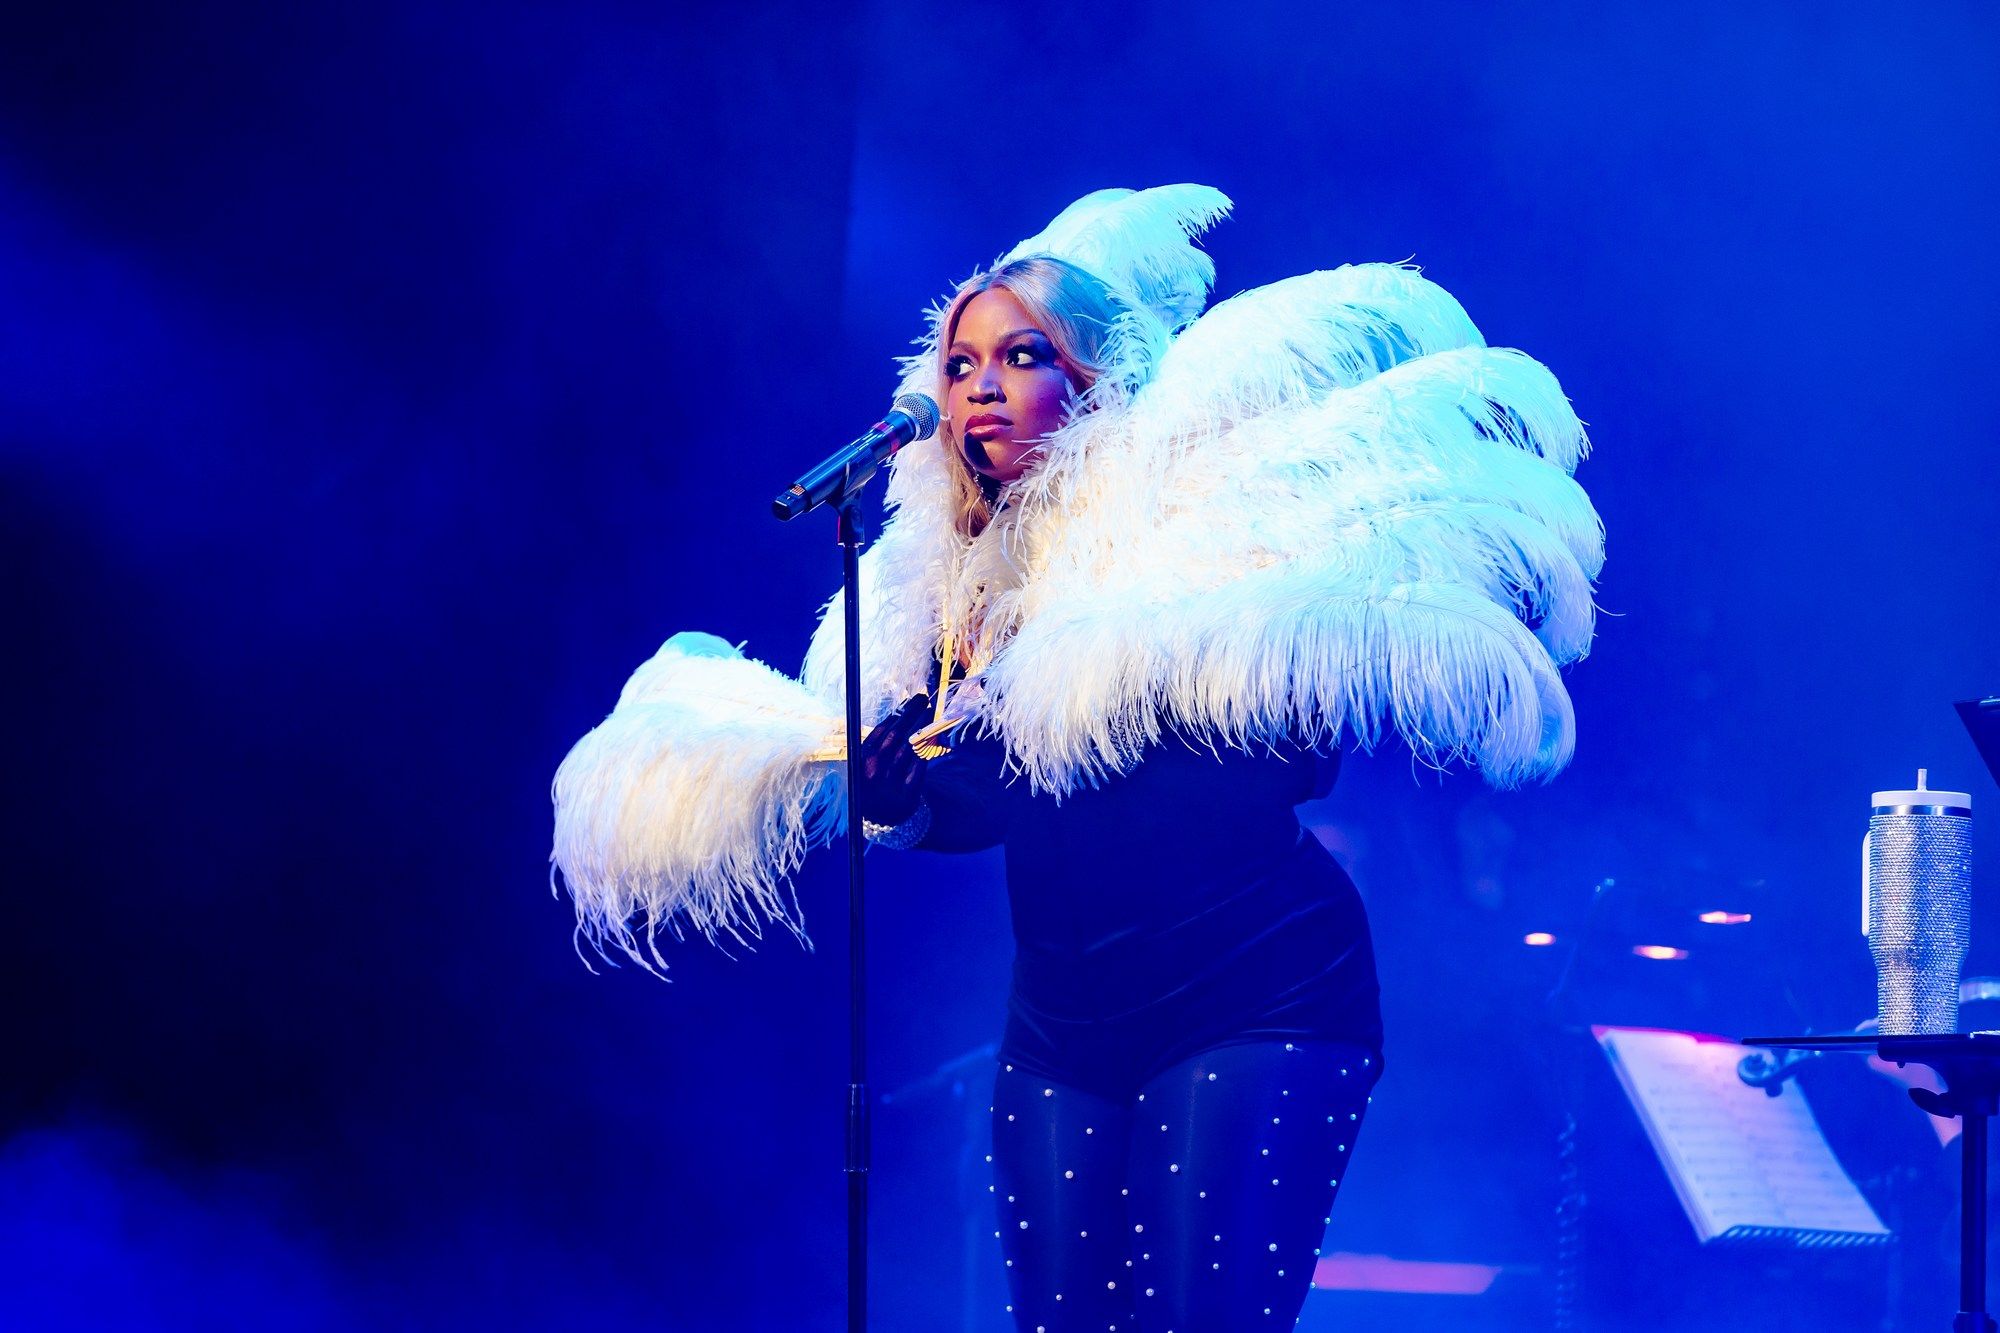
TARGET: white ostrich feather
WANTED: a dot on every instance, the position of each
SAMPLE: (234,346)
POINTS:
(1326,508)
(694,800)
(1081,692)
(1137,241)
(1292,341)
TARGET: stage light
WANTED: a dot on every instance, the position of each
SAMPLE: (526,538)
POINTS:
(1341,1271)
(1538,938)
(1659,952)
(1724,918)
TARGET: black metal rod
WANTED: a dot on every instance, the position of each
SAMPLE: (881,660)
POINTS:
(1972,1316)
(848,533)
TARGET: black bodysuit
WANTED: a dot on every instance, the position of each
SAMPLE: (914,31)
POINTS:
(1192,1033)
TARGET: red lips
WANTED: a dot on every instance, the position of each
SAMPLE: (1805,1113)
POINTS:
(983,420)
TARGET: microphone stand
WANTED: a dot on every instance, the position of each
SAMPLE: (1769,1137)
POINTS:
(838,482)
(847,530)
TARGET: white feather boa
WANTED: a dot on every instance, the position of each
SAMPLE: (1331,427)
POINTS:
(1325,508)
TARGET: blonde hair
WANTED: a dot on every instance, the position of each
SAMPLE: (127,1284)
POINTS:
(1073,307)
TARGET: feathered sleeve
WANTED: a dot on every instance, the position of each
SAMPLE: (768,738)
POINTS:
(698,797)
(695,800)
(1360,521)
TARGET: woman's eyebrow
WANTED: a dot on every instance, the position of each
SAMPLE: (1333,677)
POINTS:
(957,343)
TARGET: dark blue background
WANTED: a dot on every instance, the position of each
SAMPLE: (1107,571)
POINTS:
(379,384)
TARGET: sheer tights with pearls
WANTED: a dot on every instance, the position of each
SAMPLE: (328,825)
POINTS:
(1197,1207)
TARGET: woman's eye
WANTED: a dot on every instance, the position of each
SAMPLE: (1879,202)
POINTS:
(1020,357)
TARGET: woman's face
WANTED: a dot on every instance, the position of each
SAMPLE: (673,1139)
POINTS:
(1005,388)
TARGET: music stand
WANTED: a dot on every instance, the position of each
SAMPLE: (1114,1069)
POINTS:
(1982,722)
(1968,1064)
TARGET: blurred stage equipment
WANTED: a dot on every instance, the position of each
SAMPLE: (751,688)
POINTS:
(1916,904)
(838,481)
(1684,952)
(1679,950)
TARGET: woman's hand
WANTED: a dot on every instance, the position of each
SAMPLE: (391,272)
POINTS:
(892,774)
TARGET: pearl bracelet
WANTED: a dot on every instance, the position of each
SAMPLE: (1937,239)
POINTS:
(900,837)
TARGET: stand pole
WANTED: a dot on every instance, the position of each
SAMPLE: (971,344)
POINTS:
(848,533)
(1972,1316)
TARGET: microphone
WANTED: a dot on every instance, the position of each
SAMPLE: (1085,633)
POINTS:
(914,417)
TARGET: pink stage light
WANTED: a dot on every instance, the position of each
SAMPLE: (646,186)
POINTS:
(1538,938)
(1724,918)
(1664,953)
(1341,1271)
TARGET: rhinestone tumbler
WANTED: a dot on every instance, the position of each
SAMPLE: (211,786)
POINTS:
(1916,905)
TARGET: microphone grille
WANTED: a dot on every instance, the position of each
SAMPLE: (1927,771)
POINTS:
(923,410)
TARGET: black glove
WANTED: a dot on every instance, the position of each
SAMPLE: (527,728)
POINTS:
(892,774)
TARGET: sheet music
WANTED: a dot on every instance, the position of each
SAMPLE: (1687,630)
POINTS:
(1743,1163)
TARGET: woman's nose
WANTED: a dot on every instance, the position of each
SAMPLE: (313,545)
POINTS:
(985,389)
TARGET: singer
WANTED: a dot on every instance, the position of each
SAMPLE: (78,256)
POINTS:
(1157,566)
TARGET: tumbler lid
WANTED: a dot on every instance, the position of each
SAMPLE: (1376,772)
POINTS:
(1922,795)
